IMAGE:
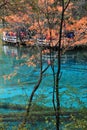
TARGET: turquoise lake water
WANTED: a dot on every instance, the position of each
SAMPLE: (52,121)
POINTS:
(18,78)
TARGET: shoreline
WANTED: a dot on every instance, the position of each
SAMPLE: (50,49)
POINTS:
(67,48)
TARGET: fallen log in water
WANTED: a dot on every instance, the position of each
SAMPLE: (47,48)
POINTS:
(39,116)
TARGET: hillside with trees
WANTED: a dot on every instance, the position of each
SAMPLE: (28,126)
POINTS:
(31,14)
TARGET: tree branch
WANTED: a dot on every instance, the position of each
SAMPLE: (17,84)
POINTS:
(67,5)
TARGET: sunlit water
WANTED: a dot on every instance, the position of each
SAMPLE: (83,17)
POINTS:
(18,76)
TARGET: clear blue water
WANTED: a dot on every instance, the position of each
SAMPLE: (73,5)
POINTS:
(18,78)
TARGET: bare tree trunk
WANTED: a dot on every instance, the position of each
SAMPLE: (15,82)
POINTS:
(35,88)
(59,67)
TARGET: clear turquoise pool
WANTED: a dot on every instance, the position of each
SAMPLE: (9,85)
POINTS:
(17,78)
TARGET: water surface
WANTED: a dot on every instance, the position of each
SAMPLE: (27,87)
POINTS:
(19,73)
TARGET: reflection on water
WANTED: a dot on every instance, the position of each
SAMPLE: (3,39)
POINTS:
(19,72)
(10,51)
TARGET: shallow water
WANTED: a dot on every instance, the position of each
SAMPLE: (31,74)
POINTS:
(18,76)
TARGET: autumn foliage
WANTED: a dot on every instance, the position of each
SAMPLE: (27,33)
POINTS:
(78,26)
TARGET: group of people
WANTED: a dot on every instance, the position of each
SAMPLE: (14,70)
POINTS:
(8,35)
(11,33)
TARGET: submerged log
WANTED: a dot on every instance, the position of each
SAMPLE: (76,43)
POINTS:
(39,116)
